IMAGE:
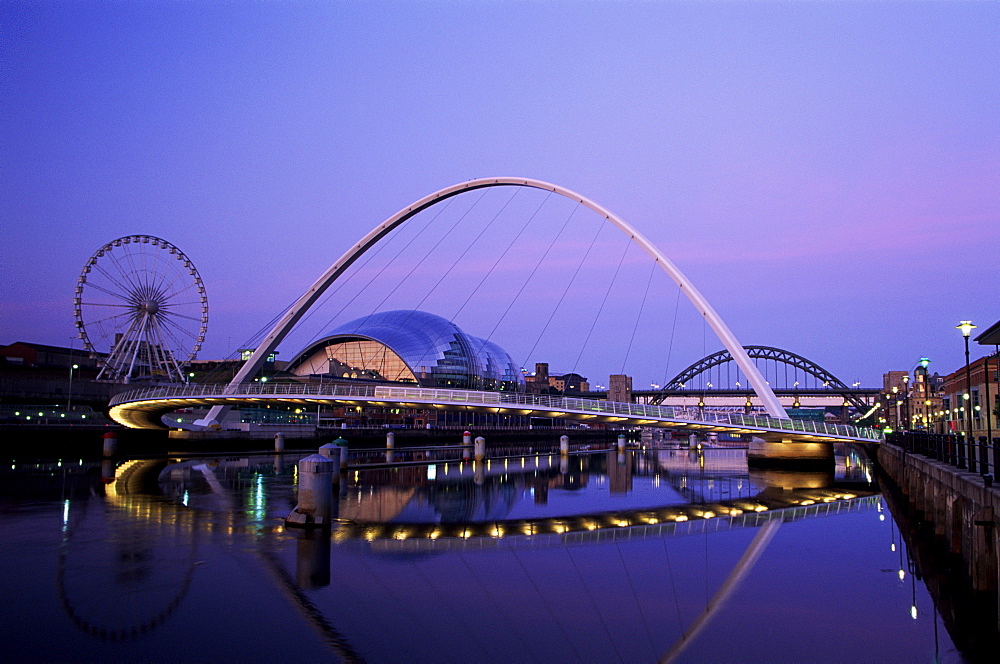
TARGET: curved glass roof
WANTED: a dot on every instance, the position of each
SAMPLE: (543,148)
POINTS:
(436,350)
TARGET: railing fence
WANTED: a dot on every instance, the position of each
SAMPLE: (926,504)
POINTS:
(471,397)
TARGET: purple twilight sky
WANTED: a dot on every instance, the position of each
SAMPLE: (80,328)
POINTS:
(827,173)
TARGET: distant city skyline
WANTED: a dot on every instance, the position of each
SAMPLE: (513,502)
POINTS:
(827,174)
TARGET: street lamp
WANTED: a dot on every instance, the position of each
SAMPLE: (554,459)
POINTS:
(967,327)
(69,398)
(906,402)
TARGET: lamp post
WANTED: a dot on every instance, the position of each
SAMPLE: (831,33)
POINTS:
(966,327)
(894,414)
(69,398)
(906,402)
(986,399)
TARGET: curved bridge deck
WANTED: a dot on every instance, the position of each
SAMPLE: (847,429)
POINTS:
(143,407)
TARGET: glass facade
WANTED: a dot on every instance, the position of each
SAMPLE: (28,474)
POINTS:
(410,346)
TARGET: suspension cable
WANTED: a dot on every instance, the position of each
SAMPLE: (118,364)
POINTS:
(600,309)
(642,306)
(552,315)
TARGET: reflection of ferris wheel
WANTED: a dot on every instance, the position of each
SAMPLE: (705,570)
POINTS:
(140,300)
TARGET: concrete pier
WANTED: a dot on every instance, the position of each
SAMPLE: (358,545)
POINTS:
(789,453)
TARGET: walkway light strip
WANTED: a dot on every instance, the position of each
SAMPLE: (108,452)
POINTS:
(160,397)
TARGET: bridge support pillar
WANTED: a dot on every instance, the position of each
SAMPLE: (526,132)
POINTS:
(788,452)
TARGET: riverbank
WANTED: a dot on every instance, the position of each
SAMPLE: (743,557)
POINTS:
(958,510)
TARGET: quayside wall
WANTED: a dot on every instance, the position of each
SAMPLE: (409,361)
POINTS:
(963,510)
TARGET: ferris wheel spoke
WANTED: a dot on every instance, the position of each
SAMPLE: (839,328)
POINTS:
(173,289)
(128,271)
(122,315)
(106,304)
(174,314)
(126,289)
(176,293)
(165,357)
(191,303)
(112,293)
(180,328)
(127,250)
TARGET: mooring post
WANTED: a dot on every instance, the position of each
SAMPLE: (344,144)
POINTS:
(110,444)
(621,443)
(315,494)
(279,442)
(466,445)
(344,451)
(564,445)
(480,449)
(390,443)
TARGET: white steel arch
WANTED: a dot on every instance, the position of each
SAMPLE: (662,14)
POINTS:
(283,326)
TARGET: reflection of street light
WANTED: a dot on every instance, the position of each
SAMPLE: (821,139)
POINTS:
(69,399)
(966,327)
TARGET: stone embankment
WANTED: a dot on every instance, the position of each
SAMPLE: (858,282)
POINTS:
(962,506)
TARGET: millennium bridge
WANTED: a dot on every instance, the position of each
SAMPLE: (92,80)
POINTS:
(143,408)
(776,436)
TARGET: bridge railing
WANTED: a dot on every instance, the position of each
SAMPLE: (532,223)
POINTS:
(805,426)
(166,391)
(556,404)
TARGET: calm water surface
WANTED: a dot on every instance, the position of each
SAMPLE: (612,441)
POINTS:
(654,555)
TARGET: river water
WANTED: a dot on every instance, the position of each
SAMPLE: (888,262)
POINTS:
(651,555)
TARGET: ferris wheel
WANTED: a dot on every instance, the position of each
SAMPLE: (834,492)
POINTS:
(140,301)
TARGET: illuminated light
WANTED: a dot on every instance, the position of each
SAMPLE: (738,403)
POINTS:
(807,502)
(902,575)
(681,517)
(434,534)
(913,612)
(497,532)
(881,517)
(892,547)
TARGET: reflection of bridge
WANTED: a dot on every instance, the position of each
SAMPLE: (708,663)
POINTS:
(143,407)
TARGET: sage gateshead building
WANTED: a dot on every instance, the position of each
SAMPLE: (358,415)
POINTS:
(409,347)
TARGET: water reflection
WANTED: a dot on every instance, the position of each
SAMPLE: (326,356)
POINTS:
(591,557)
